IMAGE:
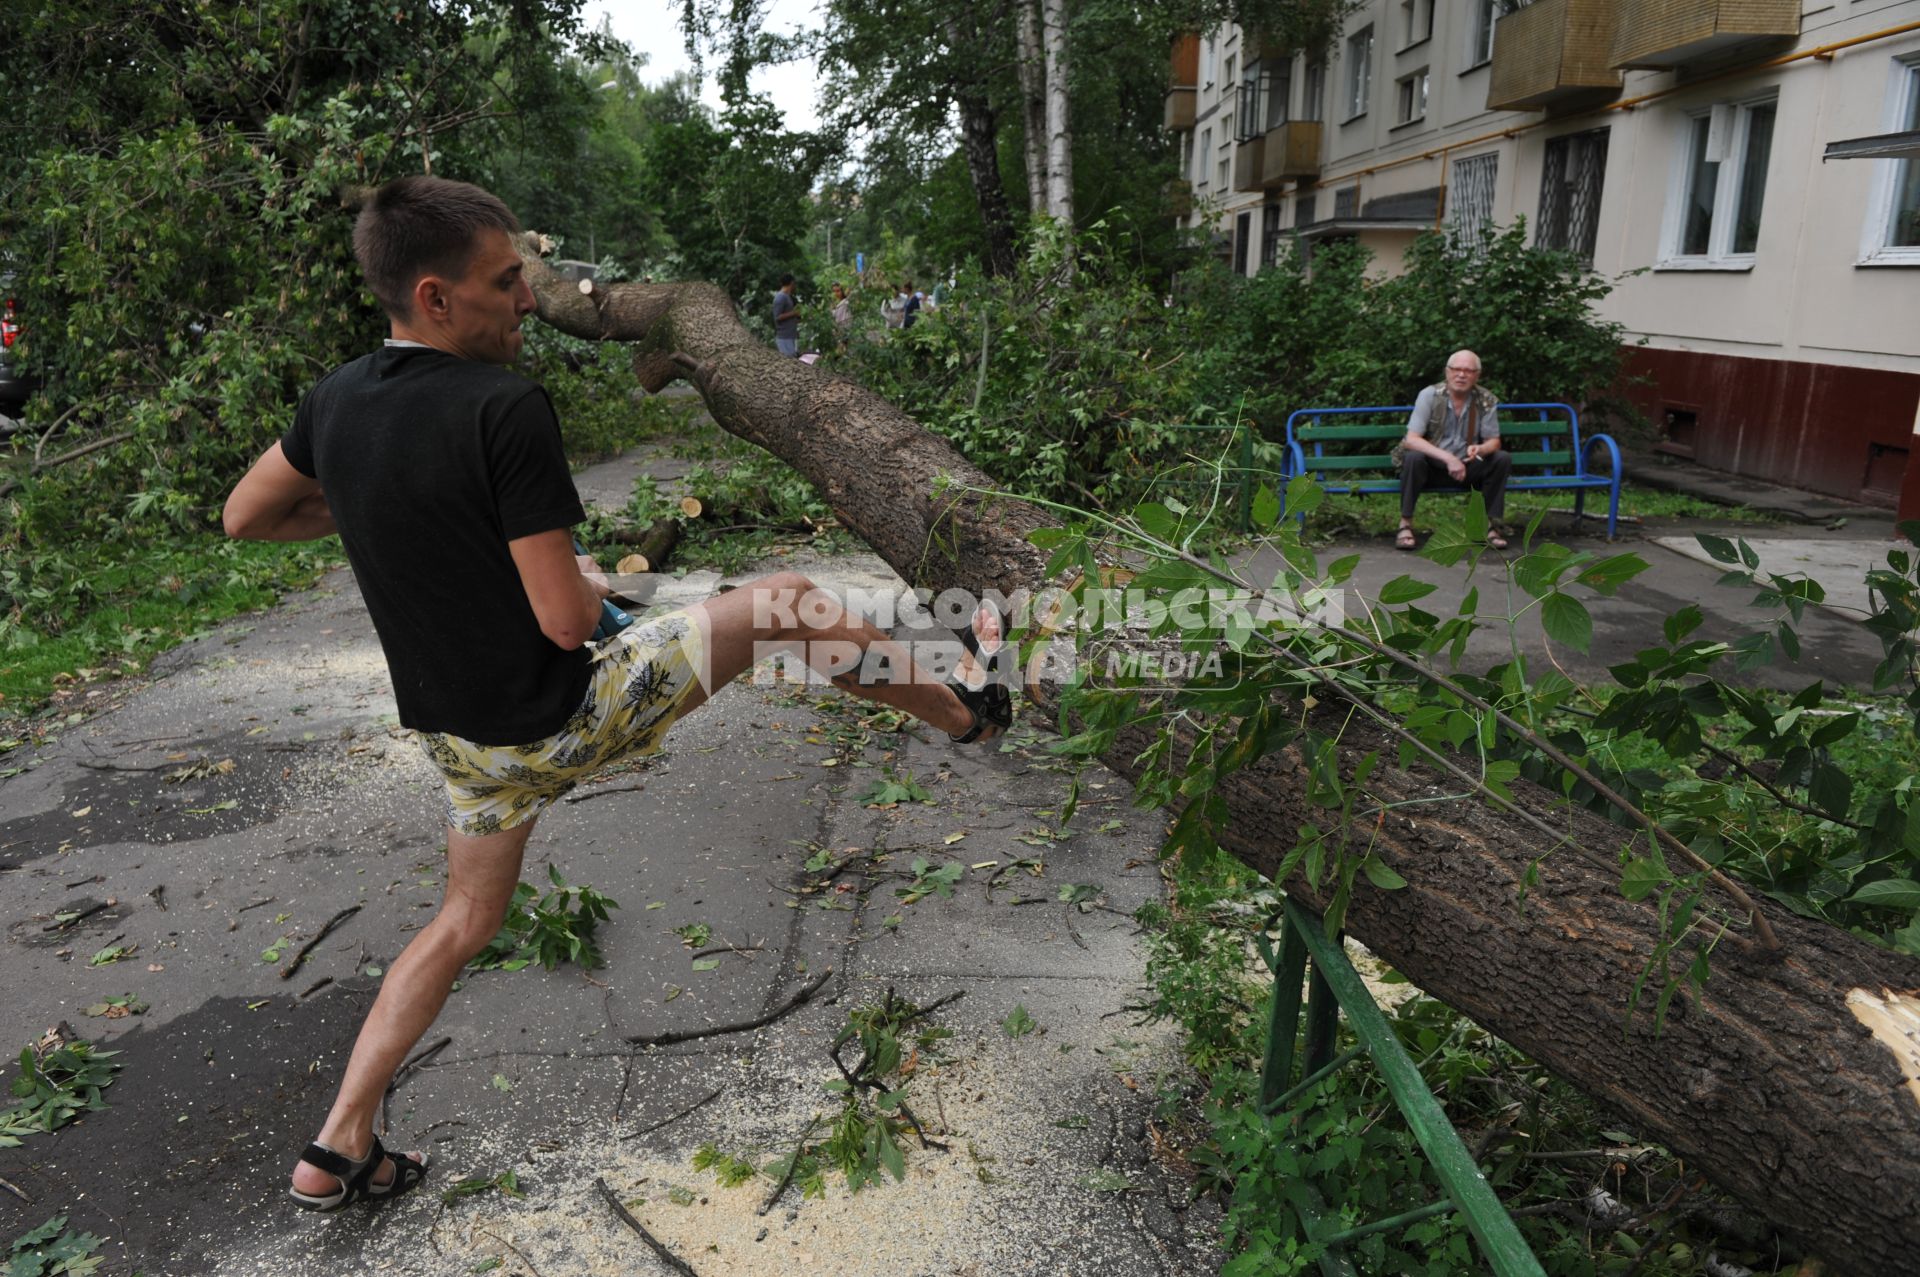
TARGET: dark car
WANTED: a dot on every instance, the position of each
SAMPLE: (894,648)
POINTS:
(15,386)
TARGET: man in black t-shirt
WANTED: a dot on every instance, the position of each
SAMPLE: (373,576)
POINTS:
(443,475)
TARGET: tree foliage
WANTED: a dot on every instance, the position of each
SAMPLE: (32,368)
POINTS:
(1097,387)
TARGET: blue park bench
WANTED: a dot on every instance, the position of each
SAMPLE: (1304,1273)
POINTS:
(1360,458)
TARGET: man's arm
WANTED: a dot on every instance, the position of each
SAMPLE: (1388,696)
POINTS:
(1489,443)
(275,502)
(1417,441)
(565,598)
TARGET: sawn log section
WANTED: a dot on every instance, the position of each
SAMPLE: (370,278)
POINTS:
(1771,1085)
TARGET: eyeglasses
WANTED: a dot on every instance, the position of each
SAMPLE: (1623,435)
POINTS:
(1458,368)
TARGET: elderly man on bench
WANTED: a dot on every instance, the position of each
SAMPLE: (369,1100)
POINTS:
(1453,440)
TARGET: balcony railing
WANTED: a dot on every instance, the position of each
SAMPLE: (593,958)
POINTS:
(1183,84)
(1554,53)
(1291,151)
(1180,109)
(1249,165)
(1668,33)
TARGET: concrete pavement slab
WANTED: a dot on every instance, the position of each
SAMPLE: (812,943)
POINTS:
(1840,566)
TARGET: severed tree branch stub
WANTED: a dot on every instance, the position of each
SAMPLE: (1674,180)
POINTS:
(1773,1083)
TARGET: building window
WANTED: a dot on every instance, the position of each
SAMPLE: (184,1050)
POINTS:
(1224,172)
(1242,231)
(1410,97)
(1263,98)
(1270,234)
(1206,152)
(1247,112)
(1576,166)
(1416,22)
(1226,76)
(1486,13)
(1313,92)
(1359,72)
(1303,210)
(1346,201)
(1206,57)
(1470,199)
(1722,185)
(1277,92)
(1893,208)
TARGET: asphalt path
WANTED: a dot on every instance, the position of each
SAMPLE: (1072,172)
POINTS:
(257,786)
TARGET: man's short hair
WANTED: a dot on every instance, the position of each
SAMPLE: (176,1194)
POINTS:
(422,225)
(785,280)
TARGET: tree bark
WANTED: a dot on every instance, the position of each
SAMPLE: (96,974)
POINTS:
(978,142)
(1033,103)
(1059,127)
(1772,1083)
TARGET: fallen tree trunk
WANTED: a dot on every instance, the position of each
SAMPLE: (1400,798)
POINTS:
(1773,1083)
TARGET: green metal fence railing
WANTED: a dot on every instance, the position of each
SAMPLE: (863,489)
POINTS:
(1337,987)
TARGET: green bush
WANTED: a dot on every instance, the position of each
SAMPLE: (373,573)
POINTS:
(1079,379)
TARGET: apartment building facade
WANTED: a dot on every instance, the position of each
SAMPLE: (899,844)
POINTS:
(1682,146)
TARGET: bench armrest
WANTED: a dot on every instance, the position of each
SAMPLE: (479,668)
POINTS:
(1296,461)
(1613,449)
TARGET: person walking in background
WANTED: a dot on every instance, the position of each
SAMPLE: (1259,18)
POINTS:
(842,308)
(909,305)
(786,319)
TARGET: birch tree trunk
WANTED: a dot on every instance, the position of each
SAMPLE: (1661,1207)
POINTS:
(1033,102)
(1794,1080)
(1059,126)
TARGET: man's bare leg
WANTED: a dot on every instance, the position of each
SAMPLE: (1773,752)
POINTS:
(481,874)
(787,610)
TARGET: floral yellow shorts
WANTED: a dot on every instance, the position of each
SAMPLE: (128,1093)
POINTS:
(637,686)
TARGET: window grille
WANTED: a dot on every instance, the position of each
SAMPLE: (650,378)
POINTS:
(1346,201)
(1576,165)
(1470,199)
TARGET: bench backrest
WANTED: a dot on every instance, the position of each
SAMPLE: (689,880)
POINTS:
(1349,442)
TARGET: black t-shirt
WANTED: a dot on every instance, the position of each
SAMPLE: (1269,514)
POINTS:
(431,464)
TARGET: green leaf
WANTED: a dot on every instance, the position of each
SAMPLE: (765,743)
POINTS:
(1157,521)
(1610,573)
(1837,729)
(1381,874)
(1641,877)
(1304,494)
(1476,517)
(1404,589)
(1682,623)
(1890,893)
(1567,621)
(1266,508)
(1831,790)
(1718,548)
(705,964)
(1018,1023)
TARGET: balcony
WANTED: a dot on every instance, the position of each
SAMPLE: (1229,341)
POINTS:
(1179,109)
(1555,54)
(1290,151)
(1183,84)
(1662,34)
(1249,164)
